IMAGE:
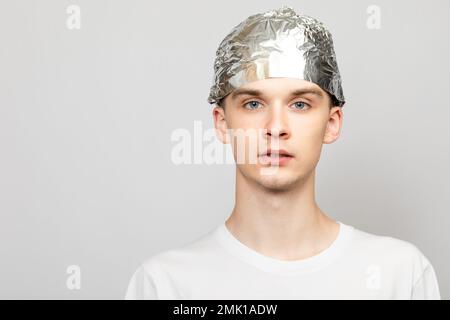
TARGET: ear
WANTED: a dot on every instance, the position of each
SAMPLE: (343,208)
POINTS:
(220,124)
(334,125)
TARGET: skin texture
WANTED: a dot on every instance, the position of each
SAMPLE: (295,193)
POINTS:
(276,214)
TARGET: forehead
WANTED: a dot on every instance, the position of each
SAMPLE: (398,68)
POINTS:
(278,87)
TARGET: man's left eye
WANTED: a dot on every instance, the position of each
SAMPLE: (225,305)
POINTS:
(300,104)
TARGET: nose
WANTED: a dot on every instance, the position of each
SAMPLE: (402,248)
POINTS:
(276,124)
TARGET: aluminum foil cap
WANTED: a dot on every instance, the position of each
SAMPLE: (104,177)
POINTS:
(276,43)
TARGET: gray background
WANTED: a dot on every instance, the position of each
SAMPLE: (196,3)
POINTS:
(86,117)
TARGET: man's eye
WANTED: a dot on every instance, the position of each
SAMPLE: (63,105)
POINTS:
(301,105)
(252,104)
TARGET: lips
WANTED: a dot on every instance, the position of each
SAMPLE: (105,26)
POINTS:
(275,157)
(276,153)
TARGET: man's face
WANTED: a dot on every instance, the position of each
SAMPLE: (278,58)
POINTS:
(275,118)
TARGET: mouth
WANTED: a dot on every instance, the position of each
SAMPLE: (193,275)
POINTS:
(276,153)
(277,157)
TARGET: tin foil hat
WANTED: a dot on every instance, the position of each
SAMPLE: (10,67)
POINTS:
(276,43)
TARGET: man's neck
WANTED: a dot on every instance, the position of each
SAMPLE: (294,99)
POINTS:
(285,225)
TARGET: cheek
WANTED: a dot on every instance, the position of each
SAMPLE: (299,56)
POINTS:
(313,126)
(313,134)
(309,140)
(246,133)
(244,121)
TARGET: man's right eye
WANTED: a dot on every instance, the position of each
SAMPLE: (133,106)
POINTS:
(252,105)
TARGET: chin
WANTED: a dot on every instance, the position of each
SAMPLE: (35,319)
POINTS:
(283,179)
(277,183)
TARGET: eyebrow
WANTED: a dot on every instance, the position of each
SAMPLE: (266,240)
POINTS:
(258,93)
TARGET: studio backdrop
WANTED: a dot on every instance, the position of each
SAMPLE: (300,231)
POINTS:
(95,95)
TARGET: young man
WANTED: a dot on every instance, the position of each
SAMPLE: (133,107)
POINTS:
(277,78)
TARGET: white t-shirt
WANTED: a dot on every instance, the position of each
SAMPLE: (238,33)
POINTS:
(357,265)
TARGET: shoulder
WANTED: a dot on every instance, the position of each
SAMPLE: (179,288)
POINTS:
(164,265)
(197,251)
(390,251)
(156,276)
